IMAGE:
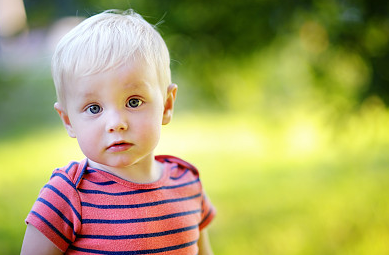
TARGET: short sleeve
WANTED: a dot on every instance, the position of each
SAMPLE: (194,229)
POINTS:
(57,211)
(208,212)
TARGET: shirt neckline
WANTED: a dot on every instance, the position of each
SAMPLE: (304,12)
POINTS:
(133,185)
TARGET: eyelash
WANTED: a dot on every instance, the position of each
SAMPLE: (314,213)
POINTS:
(95,109)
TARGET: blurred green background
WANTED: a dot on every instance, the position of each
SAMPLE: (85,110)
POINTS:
(282,105)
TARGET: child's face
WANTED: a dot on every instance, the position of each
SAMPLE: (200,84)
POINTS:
(116,116)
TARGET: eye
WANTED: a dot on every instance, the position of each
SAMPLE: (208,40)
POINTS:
(134,103)
(94,109)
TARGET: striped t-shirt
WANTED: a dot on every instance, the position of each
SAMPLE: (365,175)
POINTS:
(83,210)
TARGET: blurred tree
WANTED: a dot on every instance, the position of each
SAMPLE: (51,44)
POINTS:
(41,13)
(203,34)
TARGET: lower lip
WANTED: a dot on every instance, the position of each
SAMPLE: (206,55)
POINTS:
(120,147)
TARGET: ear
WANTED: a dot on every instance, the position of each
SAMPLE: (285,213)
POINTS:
(65,119)
(169,104)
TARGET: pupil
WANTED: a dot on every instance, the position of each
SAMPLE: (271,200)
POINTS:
(133,102)
(94,109)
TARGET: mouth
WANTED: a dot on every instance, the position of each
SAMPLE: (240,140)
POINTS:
(119,146)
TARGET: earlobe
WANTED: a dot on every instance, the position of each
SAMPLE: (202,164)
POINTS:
(169,104)
(65,119)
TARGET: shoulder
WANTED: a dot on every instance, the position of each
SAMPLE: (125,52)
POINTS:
(177,163)
(71,173)
(57,211)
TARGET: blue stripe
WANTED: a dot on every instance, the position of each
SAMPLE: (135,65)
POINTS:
(167,160)
(70,167)
(51,226)
(140,205)
(60,214)
(137,236)
(91,191)
(90,171)
(206,217)
(81,174)
(59,193)
(182,175)
(107,183)
(182,185)
(125,221)
(65,178)
(151,251)
(133,192)
(54,172)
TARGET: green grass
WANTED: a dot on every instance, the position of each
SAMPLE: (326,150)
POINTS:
(302,187)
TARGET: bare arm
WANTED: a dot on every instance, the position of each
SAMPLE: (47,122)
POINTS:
(204,243)
(37,243)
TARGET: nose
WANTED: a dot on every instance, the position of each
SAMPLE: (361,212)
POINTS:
(116,121)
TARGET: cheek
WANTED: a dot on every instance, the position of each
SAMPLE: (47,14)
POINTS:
(87,141)
(149,128)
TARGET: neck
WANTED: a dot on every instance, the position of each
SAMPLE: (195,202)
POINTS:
(146,171)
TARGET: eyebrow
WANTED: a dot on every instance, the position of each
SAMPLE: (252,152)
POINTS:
(139,84)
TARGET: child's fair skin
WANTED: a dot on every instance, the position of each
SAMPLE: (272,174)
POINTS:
(116,117)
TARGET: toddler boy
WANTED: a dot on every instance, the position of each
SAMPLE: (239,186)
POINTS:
(114,92)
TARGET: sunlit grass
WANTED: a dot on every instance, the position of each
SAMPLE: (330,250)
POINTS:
(304,186)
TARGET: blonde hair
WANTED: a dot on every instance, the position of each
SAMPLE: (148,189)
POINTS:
(108,40)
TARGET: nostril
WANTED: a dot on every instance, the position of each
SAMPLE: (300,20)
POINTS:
(116,121)
(118,127)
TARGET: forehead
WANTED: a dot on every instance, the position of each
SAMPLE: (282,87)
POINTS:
(136,75)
